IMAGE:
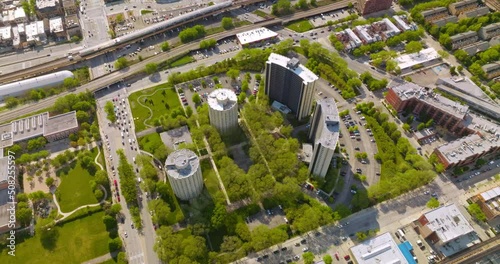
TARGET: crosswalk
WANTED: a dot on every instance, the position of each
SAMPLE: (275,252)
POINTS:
(136,259)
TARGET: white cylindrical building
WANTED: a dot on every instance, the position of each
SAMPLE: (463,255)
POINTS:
(223,110)
(184,173)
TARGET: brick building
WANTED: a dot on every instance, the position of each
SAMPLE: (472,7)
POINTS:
(366,7)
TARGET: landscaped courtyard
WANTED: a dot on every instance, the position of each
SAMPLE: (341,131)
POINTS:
(150,104)
(75,190)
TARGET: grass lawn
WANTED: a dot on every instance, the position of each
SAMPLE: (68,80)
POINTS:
(300,26)
(77,241)
(330,180)
(149,142)
(261,13)
(176,213)
(160,103)
(210,178)
(74,190)
(145,11)
(183,61)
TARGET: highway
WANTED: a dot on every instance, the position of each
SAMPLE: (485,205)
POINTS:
(117,76)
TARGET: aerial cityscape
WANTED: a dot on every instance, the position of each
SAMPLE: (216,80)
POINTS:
(250,131)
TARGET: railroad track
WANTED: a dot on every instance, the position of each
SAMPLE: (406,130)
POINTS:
(117,76)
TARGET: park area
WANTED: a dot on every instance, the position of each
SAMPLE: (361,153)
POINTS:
(73,242)
(75,190)
(150,104)
(300,26)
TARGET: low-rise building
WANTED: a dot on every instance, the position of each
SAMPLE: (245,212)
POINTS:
(491,70)
(478,12)
(435,14)
(380,249)
(16,38)
(463,39)
(447,229)
(476,47)
(467,150)
(424,58)
(69,7)
(48,8)
(366,7)
(461,7)
(35,33)
(73,26)
(404,24)
(489,202)
(8,16)
(20,16)
(366,35)
(444,20)
(489,31)
(6,36)
(256,37)
(349,39)
(56,27)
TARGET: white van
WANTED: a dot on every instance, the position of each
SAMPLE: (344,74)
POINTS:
(400,234)
(122,135)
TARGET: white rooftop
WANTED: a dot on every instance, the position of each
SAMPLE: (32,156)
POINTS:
(380,249)
(40,4)
(307,75)
(34,30)
(182,163)
(408,60)
(19,13)
(255,35)
(463,148)
(491,194)
(6,33)
(331,125)
(56,24)
(222,99)
(448,223)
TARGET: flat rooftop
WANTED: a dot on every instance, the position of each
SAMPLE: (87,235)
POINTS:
(307,152)
(409,60)
(480,124)
(4,164)
(464,85)
(40,4)
(448,223)
(423,133)
(462,148)
(307,75)
(410,90)
(174,137)
(331,123)
(222,99)
(380,249)
(60,123)
(491,194)
(182,163)
(255,35)
(4,205)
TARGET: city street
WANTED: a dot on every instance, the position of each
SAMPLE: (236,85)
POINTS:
(139,245)
(94,23)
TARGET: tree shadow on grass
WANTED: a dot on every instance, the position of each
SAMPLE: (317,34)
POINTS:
(49,237)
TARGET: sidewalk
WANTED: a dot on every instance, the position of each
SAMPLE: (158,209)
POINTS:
(102,258)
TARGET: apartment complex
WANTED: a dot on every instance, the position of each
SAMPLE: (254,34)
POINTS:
(489,202)
(463,39)
(184,174)
(435,14)
(223,110)
(404,24)
(324,133)
(49,8)
(366,7)
(290,83)
(492,70)
(489,31)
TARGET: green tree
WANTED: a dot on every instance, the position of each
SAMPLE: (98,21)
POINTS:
(302,4)
(109,108)
(11,102)
(121,63)
(327,258)
(114,244)
(49,181)
(475,210)
(444,54)
(196,98)
(413,47)
(151,68)
(433,203)
(70,82)
(233,73)
(165,46)
(227,23)
(308,258)
(406,127)
(119,18)
(219,216)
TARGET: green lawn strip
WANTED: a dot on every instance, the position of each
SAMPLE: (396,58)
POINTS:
(261,13)
(182,61)
(330,179)
(74,190)
(77,241)
(162,102)
(145,11)
(300,26)
(150,142)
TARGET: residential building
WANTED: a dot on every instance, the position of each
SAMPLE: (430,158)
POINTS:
(447,229)
(443,111)
(424,58)
(463,39)
(377,250)
(56,27)
(324,133)
(35,33)
(444,20)
(404,24)
(478,12)
(8,16)
(69,7)
(223,110)
(491,70)
(366,7)
(184,174)
(467,150)
(461,87)
(73,26)
(48,8)
(461,7)
(16,38)
(489,202)
(6,36)
(256,37)
(366,35)
(53,128)
(20,16)
(476,47)
(489,31)
(290,83)
(435,14)
(173,138)
(349,39)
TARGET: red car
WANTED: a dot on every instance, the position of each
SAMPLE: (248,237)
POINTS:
(118,198)
(116,184)
(337,256)
(347,257)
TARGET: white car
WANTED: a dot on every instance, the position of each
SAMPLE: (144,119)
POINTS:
(305,249)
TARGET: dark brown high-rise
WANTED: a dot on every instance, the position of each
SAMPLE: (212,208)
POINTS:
(366,7)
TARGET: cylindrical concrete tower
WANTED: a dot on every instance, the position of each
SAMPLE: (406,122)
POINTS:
(184,173)
(223,110)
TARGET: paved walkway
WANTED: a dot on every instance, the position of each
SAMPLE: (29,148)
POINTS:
(149,109)
(102,258)
(97,158)
(65,215)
